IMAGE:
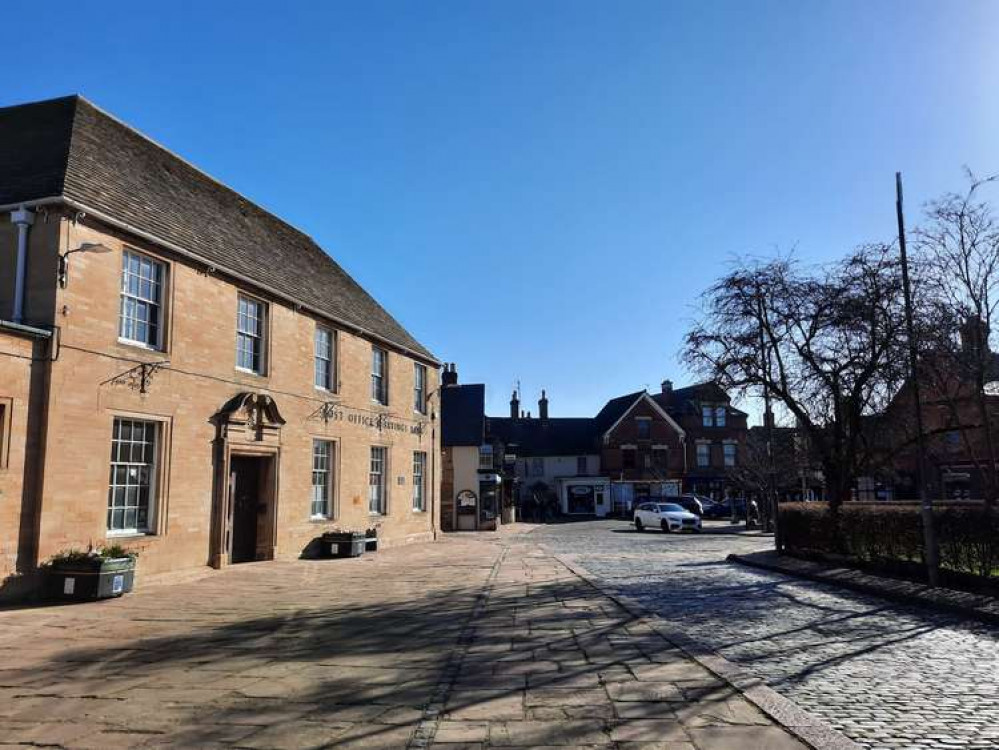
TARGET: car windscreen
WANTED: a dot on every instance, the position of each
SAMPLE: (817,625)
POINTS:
(670,508)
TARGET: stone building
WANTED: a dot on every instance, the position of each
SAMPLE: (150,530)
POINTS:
(183,372)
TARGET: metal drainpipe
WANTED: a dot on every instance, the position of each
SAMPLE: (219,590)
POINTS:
(23,218)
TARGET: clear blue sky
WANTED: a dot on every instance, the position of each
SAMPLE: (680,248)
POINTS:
(539,190)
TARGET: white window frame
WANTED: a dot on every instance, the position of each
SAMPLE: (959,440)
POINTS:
(419,388)
(259,336)
(706,447)
(153,301)
(720,416)
(730,451)
(379,376)
(382,484)
(151,486)
(707,416)
(487,459)
(329,383)
(330,474)
(419,481)
(6,422)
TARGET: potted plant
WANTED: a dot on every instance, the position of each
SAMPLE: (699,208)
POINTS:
(103,573)
(371,539)
(341,542)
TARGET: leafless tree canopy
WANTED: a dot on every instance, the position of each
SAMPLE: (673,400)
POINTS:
(827,343)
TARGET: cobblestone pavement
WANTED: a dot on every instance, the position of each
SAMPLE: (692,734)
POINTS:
(480,641)
(886,675)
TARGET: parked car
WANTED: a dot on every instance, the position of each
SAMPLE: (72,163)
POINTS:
(723,509)
(666,516)
(693,503)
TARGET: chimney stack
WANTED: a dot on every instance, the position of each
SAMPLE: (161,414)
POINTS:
(667,387)
(450,375)
(974,335)
(514,405)
(543,406)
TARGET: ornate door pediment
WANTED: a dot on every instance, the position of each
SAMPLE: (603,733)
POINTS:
(250,417)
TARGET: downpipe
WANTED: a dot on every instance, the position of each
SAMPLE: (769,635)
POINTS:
(23,218)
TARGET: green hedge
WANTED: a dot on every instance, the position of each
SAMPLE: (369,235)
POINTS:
(891,535)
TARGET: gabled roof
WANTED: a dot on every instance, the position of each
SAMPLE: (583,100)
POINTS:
(639,398)
(559,436)
(67,148)
(613,411)
(463,409)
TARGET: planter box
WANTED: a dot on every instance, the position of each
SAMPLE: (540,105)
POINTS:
(87,580)
(343,545)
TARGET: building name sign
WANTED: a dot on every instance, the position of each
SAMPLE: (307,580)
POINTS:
(332,412)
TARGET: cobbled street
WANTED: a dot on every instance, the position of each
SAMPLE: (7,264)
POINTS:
(886,675)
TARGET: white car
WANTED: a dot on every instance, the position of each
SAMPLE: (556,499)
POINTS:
(666,516)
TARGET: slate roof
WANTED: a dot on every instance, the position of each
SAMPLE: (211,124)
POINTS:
(558,436)
(463,409)
(68,148)
(683,400)
(613,410)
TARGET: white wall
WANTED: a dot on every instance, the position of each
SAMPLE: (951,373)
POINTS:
(554,467)
(466,468)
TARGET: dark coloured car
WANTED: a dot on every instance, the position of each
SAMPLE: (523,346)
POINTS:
(723,509)
(690,503)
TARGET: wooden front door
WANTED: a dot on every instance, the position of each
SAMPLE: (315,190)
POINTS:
(247,506)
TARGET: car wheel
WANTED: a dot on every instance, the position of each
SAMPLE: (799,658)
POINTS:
(638,525)
(665,525)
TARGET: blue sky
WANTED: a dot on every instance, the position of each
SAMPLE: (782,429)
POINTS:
(540,190)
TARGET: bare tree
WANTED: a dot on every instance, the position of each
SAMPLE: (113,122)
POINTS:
(958,254)
(832,348)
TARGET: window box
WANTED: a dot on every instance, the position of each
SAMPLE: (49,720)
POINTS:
(343,543)
(86,576)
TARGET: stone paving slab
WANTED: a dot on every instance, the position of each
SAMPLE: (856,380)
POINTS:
(479,641)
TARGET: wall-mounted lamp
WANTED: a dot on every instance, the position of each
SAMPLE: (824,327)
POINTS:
(86,247)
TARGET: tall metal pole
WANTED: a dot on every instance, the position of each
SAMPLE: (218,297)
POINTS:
(931,553)
(768,424)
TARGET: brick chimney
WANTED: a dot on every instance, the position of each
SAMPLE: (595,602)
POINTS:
(449,376)
(667,387)
(974,335)
(543,406)
(514,406)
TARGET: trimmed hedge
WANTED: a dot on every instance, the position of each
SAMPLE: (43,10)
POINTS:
(890,536)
